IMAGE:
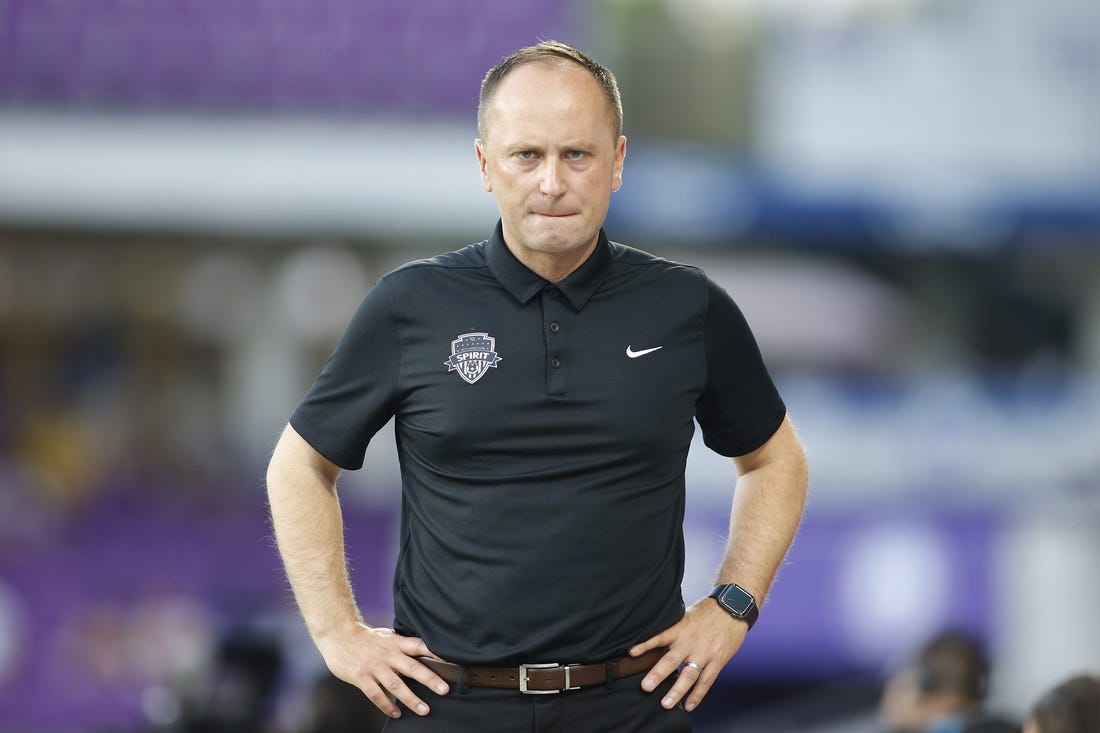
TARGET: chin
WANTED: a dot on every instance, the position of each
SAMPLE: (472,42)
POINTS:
(561,239)
(555,245)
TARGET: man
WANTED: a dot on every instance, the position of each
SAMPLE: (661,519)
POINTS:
(1071,706)
(544,385)
(942,689)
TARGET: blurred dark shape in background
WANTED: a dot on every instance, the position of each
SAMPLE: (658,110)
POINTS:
(237,694)
(1071,706)
(334,706)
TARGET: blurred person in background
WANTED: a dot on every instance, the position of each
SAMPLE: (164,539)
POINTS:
(238,692)
(942,689)
(1072,706)
(334,706)
(545,384)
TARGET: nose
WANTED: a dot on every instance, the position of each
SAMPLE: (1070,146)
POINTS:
(551,182)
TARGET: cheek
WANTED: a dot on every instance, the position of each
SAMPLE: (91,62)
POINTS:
(601,181)
(513,180)
(508,179)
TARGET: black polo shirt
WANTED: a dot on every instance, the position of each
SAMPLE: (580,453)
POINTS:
(542,431)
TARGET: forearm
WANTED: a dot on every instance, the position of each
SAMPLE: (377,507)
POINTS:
(308,524)
(767,508)
(309,528)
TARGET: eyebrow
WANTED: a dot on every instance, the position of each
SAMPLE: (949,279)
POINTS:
(520,145)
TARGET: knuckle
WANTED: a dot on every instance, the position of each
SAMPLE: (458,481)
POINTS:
(381,701)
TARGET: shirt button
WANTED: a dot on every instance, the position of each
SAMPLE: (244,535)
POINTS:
(555,363)
(555,327)
(553,292)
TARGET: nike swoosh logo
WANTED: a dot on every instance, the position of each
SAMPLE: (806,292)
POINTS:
(635,354)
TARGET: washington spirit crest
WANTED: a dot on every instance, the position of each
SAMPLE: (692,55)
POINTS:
(471,356)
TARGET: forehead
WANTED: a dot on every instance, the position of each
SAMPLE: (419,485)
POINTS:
(541,94)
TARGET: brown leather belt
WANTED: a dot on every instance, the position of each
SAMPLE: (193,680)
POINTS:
(544,679)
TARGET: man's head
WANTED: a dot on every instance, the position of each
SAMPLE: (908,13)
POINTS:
(550,152)
(947,676)
(1071,707)
(553,52)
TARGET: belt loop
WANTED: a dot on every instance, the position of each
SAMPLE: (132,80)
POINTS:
(609,672)
(463,688)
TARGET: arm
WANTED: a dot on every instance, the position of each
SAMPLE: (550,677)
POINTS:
(767,508)
(308,523)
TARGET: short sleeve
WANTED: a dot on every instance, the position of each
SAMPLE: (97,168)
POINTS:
(740,408)
(354,395)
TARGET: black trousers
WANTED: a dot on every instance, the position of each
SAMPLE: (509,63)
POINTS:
(622,707)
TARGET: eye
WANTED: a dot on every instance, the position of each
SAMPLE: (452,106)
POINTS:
(575,154)
(526,155)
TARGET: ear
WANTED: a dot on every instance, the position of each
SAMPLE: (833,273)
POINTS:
(620,157)
(482,164)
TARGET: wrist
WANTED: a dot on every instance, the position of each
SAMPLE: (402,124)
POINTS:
(737,602)
(327,629)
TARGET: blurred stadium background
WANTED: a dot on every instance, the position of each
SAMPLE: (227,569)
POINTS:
(903,195)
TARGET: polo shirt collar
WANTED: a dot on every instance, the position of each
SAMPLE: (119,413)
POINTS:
(524,284)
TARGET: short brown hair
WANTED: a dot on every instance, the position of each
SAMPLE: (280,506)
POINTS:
(551,51)
(1073,706)
(952,662)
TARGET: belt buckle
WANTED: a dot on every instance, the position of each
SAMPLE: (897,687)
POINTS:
(551,665)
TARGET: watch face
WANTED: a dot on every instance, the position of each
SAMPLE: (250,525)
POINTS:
(737,600)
